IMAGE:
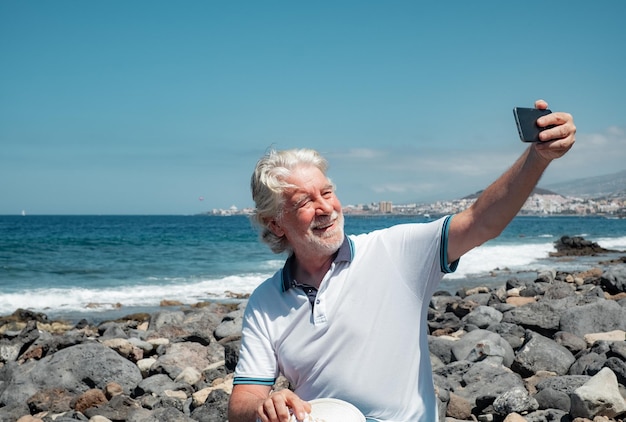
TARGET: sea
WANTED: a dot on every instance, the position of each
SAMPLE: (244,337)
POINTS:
(99,267)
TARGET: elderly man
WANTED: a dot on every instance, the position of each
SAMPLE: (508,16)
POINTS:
(326,319)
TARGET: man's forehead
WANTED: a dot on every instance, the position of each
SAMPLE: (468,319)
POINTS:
(307,188)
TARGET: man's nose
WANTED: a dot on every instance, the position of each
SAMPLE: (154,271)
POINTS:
(324,206)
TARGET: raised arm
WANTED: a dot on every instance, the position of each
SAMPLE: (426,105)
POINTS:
(502,200)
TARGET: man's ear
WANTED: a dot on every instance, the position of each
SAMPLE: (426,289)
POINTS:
(275,228)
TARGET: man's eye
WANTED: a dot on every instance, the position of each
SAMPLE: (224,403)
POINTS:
(304,203)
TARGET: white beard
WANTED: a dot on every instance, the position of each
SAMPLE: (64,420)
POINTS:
(331,240)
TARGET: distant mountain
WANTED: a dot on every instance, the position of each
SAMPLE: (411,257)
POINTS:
(590,187)
(593,187)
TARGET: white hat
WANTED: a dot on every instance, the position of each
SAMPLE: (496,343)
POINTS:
(332,410)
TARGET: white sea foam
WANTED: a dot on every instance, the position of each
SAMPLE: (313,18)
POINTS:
(616,243)
(488,257)
(92,300)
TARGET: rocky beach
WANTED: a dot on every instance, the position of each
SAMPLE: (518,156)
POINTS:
(548,349)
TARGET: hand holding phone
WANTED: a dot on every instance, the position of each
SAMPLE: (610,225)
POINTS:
(526,119)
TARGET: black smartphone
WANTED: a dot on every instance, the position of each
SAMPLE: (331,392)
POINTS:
(526,119)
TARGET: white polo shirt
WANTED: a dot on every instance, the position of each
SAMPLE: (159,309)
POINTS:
(364,340)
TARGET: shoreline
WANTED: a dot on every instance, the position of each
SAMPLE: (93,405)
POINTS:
(95,316)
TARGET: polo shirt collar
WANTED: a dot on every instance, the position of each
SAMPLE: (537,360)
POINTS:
(344,254)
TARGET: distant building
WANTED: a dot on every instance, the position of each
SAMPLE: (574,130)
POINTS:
(385,207)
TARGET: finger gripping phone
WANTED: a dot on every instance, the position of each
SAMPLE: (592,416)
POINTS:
(526,119)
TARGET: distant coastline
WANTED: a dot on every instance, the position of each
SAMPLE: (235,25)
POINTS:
(540,204)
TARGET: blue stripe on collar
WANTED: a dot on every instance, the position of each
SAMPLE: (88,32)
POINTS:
(344,254)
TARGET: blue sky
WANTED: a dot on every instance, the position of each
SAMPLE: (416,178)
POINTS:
(144,107)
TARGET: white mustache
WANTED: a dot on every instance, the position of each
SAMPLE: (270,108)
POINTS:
(325,221)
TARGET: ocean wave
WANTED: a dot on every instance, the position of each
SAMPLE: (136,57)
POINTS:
(615,243)
(80,299)
(487,258)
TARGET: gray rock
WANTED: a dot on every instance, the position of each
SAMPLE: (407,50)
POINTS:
(156,385)
(487,379)
(588,363)
(166,401)
(169,414)
(533,288)
(559,290)
(482,344)
(75,369)
(483,316)
(214,409)
(591,293)
(10,412)
(113,330)
(435,362)
(570,341)
(49,344)
(618,349)
(446,322)
(601,347)
(451,376)
(543,315)
(178,356)
(230,325)
(9,350)
(441,347)
(141,415)
(546,276)
(231,354)
(116,409)
(540,353)
(141,344)
(553,399)
(12,346)
(618,366)
(576,246)
(600,316)
(555,415)
(160,319)
(599,396)
(512,333)
(195,325)
(614,279)
(565,384)
(480,299)
(201,324)
(515,400)
(443,302)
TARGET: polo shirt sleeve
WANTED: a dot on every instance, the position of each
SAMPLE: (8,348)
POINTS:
(446,267)
(420,251)
(257,361)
